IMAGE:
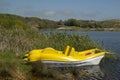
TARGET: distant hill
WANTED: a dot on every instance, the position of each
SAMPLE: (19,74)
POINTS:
(15,21)
(113,23)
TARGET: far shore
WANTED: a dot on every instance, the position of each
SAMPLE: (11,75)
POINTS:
(88,29)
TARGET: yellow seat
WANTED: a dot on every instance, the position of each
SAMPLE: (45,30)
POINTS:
(69,51)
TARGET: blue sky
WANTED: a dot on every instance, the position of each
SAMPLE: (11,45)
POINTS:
(63,9)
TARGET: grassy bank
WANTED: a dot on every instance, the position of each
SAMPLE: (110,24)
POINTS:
(15,42)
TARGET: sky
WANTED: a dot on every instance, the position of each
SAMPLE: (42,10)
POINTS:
(63,9)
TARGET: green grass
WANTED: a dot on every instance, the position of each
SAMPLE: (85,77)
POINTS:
(11,66)
(14,43)
(20,41)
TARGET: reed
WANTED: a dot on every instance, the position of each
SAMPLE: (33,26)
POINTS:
(20,41)
(14,43)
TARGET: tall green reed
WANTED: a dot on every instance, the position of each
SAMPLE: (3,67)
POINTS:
(14,43)
(20,41)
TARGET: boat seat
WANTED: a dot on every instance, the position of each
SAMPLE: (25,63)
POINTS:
(69,51)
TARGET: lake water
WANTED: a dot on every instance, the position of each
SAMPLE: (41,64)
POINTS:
(111,42)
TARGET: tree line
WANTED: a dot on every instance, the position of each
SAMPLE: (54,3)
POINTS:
(15,21)
(114,23)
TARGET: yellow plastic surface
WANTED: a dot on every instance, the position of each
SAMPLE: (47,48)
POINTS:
(68,55)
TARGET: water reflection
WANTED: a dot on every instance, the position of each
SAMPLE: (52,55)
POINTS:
(109,69)
(92,73)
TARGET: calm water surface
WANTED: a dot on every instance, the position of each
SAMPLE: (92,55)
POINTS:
(111,42)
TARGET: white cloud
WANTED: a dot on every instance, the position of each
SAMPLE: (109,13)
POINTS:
(49,13)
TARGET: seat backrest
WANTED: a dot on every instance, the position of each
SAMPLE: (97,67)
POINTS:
(72,52)
(66,50)
(69,51)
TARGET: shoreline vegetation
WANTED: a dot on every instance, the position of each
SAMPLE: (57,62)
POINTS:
(14,43)
(18,36)
(7,20)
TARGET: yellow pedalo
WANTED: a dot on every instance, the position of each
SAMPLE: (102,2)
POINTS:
(67,58)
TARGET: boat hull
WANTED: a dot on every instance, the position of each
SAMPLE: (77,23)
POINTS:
(90,61)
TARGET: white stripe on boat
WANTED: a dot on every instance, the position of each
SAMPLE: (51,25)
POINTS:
(91,61)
